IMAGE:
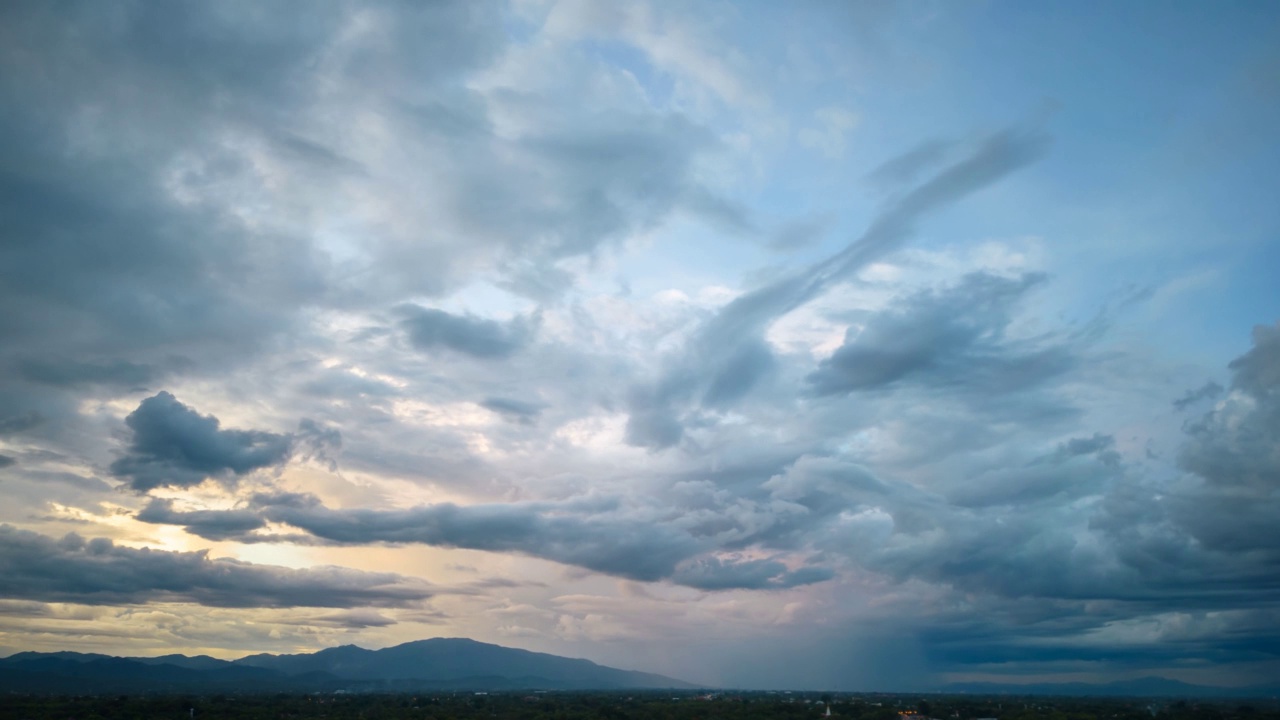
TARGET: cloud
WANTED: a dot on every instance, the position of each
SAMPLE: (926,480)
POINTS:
(724,352)
(613,546)
(208,524)
(617,543)
(1238,443)
(1085,446)
(1257,372)
(954,338)
(18,423)
(906,168)
(355,619)
(1208,391)
(431,329)
(6,461)
(1234,449)
(172,445)
(717,574)
(520,411)
(98,572)
(70,372)
(406,223)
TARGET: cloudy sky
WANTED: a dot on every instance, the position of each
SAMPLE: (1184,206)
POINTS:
(846,345)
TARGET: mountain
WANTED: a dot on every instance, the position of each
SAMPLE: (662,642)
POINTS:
(458,662)
(63,673)
(1138,687)
(441,663)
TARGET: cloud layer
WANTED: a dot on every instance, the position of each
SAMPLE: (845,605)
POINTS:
(834,356)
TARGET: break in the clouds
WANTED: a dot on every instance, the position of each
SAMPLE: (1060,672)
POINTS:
(834,355)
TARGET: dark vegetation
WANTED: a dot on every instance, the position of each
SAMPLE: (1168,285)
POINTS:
(647,705)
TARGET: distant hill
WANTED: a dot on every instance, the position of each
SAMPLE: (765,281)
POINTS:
(1139,687)
(441,663)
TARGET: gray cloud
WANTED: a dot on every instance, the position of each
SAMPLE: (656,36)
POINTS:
(1257,372)
(208,524)
(724,353)
(1238,444)
(1085,446)
(613,543)
(431,329)
(954,338)
(521,411)
(68,372)
(637,550)
(718,574)
(271,208)
(1208,391)
(1055,477)
(1235,450)
(354,619)
(18,423)
(97,572)
(906,168)
(173,445)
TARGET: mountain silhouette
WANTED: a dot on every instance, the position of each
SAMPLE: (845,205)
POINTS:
(440,663)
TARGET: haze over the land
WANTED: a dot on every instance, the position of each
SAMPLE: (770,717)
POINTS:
(815,344)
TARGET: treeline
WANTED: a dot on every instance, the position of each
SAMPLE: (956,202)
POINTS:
(614,706)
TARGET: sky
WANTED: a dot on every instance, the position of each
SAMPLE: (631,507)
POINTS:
(831,345)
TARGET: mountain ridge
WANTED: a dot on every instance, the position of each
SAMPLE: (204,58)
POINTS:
(436,663)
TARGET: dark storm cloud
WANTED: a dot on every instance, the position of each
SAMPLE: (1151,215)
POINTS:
(1208,391)
(516,410)
(1235,450)
(595,538)
(118,281)
(235,525)
(431,329)
(138,142)
(724,353)
(208,524)
(98,572)
(1055,478)
(627,548)
(1085,446)
(173,445)
(949,339)
(1237,445)
(603,538)
(1257,372)
(6,461)
(742,370)
(17,423)
(1164,572)
(1063,634)
(717,574)
(70,372)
